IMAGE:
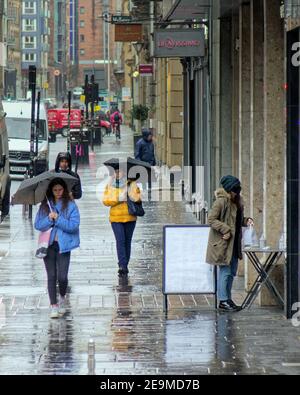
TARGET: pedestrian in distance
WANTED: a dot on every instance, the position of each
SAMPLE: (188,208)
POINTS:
(145,152)
(58,213)
(123,224)
(116,121)
(226,219)
(64,165)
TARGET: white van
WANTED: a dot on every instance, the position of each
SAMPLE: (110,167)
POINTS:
(18,123)
(4,167)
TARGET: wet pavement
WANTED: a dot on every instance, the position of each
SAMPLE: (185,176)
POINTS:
(124,317)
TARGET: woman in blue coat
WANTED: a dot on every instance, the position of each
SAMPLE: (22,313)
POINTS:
(64,220)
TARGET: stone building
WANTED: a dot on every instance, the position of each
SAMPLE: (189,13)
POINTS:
(35,43)
(96,44)
(225,111)
(10,48)
(3,50)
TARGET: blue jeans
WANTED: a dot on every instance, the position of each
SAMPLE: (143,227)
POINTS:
(123,234)
(226,277)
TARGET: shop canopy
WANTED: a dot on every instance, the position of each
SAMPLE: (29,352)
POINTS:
(199,10)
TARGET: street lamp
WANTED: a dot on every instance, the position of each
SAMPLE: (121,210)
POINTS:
(136,74)
(138,46)
(106,19)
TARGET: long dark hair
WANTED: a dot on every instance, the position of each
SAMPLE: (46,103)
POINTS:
(238,201)
(66,199)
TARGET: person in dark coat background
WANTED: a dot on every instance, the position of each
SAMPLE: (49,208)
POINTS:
(145,152)
(145,148)
(64,165)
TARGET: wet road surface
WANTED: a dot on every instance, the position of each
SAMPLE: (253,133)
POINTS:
(124,317)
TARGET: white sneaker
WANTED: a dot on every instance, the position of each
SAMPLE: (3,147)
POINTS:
(54,312)
(62,306)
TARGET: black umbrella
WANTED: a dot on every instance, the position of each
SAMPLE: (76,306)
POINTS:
(136,169)
(127,166)
(33,190)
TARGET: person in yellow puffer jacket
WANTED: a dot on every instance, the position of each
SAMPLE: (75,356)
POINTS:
(123,224)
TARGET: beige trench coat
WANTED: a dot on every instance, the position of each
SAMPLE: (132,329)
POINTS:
(222,219)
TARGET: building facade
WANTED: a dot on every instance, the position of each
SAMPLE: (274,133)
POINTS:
(59,49)
(12,74)
(96,44)
(10,48)
(225,113)
(72,42)
(35,42)
(3,49)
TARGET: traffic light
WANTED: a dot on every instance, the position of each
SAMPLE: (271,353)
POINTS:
(32,77)
(91,90)
(95,97)
(90,93)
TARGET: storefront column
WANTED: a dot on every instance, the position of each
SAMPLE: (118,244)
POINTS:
(215,96)
(274,133)
(226,96)
(244,104)
(255,209)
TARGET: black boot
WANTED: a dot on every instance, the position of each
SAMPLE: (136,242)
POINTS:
(225,305)
(123,272)
(236,307)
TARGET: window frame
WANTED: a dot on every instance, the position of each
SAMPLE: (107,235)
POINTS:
(29,55)
(34,8)
(29,45)
(26,25)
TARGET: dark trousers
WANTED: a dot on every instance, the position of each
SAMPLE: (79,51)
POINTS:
(123,234)
(57,267)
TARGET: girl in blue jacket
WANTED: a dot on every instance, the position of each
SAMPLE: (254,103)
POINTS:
(64,220)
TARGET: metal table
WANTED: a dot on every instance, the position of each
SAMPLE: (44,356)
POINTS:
(264,271)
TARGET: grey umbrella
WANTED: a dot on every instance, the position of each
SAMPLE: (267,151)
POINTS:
(33,190)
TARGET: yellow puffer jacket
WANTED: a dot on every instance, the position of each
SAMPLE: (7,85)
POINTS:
(119,210)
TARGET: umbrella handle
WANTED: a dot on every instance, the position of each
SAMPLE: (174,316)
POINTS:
(49,204)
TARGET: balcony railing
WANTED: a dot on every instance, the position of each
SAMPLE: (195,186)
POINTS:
(11,41)
(11,65)
(11,17)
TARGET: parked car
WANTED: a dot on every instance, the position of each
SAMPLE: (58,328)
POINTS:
(106,126)
(49,103)
(18,123)
(77,92)
(5,181)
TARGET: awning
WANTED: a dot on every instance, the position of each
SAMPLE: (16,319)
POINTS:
(184,10)
(197,10)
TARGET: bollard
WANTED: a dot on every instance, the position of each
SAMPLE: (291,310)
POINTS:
(91,358)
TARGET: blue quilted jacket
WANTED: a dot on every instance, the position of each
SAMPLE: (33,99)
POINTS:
(66,227)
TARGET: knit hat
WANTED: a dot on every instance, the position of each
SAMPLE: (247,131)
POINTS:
(231,184)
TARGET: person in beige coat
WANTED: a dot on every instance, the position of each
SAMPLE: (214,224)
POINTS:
(226,219)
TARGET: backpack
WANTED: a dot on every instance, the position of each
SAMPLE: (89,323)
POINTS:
(117,118)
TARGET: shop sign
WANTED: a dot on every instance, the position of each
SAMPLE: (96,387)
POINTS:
(179,43)
(146,70)
(128,33)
